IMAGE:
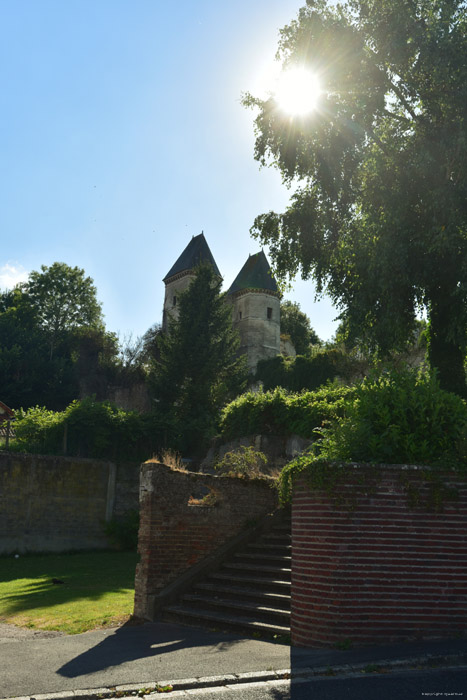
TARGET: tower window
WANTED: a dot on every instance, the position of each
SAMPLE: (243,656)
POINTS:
(240,315)
(269,312)
(175,301)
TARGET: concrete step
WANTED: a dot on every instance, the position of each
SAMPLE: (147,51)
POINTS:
(258,570)
(268,547)
(185,615)
(274,583)
(272,598)
(232,608)
(249,593)
(264,558)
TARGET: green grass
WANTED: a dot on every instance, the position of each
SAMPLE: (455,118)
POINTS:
(97,590)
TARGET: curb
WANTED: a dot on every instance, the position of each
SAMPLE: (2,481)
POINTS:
(152,689)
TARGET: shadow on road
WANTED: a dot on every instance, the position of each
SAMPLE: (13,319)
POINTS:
(130,643)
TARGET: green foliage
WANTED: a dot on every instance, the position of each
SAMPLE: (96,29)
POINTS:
(243,462)
(305,372)
(123,532)
(281,413)
(38,430)
(28,374)
(401,417)
(198,369)
(396,418)
(93,429)
(46,356)
(63,298)
(296,324)
(380,217)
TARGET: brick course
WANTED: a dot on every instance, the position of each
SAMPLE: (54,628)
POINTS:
(382,571)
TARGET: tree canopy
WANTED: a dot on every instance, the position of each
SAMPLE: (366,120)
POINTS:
(198,369)
(64,298)
(53,345)
(379,213)
(295,322)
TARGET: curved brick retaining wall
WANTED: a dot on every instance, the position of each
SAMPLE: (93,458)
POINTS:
(382,571)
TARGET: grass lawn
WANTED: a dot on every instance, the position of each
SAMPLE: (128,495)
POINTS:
(97,590)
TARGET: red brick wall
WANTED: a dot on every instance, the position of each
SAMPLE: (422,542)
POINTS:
(381,572)
(174,535)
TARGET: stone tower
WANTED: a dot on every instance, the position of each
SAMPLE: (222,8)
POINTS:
(256,310)
(181,274)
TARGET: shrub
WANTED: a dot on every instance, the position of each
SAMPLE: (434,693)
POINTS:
(123,532)
(396,418)
(279,412)
(244,462)
(399,417)
(305,372)
(37,430)
(93,429)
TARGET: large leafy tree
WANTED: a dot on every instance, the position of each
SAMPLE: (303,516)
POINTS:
(53,345)
(379,215)
(28,375)
(295,322)
(64,300)
(198,369)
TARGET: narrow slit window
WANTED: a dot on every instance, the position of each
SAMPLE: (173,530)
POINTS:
(240,315)
(175,301)
(269,312)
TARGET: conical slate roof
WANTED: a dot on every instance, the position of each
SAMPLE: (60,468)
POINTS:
(255,274)
(196,253)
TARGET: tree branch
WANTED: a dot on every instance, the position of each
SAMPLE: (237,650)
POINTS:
(399,117)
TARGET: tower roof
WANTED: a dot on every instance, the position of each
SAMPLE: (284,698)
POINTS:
(255,274)
(196,253)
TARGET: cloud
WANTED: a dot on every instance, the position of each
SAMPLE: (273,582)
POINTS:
(12,274)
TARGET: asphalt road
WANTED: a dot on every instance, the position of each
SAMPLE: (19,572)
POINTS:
(401,685)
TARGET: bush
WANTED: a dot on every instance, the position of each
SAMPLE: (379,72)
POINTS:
(399,417)
(305,372)
(123,532)
(93,429)
(395,418)
(37,430)
(244,462)
(279,412)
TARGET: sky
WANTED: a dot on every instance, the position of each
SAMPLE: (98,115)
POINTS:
(122,135)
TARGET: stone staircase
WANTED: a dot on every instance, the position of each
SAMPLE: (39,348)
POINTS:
(248,594)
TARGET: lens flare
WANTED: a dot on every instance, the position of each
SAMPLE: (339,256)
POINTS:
(297,91)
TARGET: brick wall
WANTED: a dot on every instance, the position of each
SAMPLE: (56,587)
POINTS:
(382,571)
(61,503)
(174,536)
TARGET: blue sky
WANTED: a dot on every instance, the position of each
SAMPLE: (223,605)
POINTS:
(122,136)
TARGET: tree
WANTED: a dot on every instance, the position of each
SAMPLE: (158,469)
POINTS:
(296,323)
(379,218)
(64,300)
(53,344)
(28,375)
(199,369)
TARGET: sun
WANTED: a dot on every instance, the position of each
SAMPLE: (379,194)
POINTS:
(297,91)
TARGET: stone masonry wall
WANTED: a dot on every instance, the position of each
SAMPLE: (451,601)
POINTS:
(174,535)
(389,569)
(61,503)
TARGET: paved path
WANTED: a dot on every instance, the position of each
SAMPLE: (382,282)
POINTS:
(158,652)
(127,655)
